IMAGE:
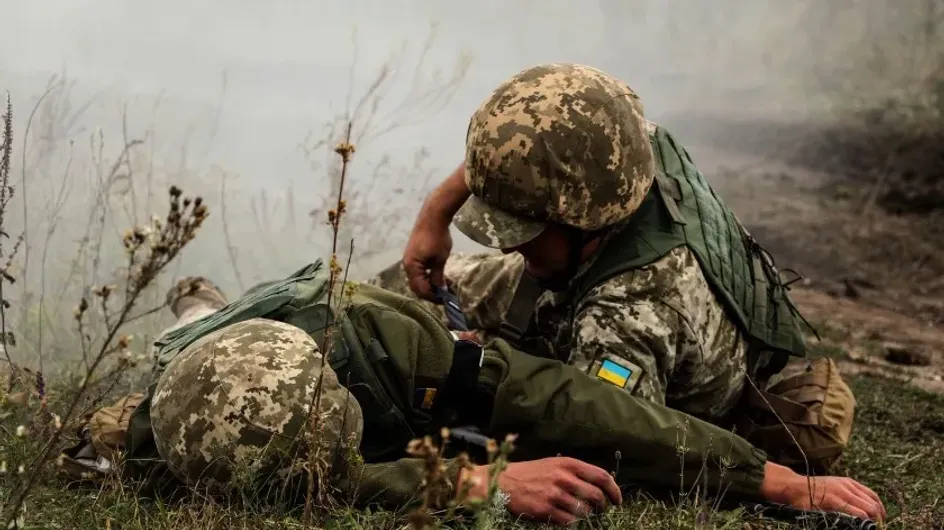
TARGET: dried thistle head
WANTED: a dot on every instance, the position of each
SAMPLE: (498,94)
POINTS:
(491,446)
(81,308)
(104,291)
(345,149)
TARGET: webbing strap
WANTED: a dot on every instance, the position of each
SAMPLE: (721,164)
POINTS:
(519,312)
(788,410)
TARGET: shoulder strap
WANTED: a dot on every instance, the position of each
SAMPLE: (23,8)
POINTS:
(519,312)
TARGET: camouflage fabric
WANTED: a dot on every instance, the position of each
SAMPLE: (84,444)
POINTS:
(663,318)
(484,282)
(561,143)
(517,392)
(239,399)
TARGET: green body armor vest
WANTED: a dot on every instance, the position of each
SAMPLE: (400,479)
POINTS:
(682,209)
(299,300)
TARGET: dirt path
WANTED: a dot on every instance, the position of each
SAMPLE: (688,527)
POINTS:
(879,342)
(873,284)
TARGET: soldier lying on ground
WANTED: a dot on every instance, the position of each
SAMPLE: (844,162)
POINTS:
(617,255)
(234,390)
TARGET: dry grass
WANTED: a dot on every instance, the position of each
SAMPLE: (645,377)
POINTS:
(898,434)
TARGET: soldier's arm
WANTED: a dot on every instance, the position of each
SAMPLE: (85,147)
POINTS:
(394,484)
(556,408)
(484,282)
(657,319)
(628,322)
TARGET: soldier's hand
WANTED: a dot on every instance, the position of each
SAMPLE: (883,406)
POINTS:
(428,248)
(430,241)
(830,494)
(472,336)
(557,490)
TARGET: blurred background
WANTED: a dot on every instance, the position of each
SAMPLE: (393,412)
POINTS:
(242,103)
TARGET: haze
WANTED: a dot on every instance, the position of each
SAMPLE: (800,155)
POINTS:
(290,67)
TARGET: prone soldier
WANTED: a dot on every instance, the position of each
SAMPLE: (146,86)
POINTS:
(234,389)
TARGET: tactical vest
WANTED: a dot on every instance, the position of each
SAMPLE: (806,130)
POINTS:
(299,300)
(682,209)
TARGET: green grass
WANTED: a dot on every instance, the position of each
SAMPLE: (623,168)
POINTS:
(896,449)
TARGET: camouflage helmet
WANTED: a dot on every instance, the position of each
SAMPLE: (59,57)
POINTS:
(560,143)
(238,399)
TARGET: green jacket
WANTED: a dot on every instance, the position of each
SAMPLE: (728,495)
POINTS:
(400,362)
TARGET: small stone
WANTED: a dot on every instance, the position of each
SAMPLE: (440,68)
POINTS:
(901,354)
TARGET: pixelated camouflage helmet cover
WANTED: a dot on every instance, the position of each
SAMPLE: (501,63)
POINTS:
(562,143)
(242,396)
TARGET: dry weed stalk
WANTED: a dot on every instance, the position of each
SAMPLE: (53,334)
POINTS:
(375,216)
(436,485)
(149,250)
(6,195)
(318,464)
(440,495)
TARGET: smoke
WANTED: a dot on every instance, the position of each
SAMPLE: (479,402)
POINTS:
(235,96)
(288,62)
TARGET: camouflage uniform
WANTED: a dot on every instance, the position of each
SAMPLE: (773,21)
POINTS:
(568,144)
(663,318)
(225,397)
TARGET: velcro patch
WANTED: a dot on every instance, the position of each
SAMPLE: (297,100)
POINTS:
(617,371)
(425,397)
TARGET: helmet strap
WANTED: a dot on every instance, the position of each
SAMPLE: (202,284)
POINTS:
(576,240)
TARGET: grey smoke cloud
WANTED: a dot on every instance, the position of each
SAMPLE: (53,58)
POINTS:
(291,65)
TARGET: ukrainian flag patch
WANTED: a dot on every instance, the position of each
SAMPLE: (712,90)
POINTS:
(616,371)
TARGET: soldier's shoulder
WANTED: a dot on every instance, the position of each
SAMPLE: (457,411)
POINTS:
(668,278)
(483,261)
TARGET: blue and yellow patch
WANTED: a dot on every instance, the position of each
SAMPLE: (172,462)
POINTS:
(614,373)
(617,371)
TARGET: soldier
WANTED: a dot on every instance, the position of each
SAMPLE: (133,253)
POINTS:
(234,390)
(618,257)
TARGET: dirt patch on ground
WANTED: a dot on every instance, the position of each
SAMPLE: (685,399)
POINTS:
(876,341)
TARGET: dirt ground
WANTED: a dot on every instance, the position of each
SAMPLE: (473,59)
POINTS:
(872,283)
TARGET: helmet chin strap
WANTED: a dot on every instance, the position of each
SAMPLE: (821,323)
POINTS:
(576,240)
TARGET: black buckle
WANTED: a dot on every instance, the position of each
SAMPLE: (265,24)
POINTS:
(453,310)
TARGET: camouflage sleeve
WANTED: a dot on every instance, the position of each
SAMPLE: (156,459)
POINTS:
(664,324)
(484,283)
(625,318)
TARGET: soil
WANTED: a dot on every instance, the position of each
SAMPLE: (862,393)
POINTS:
(872,279)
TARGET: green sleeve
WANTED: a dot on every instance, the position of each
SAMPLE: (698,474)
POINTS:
(556,409)
(392,485)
